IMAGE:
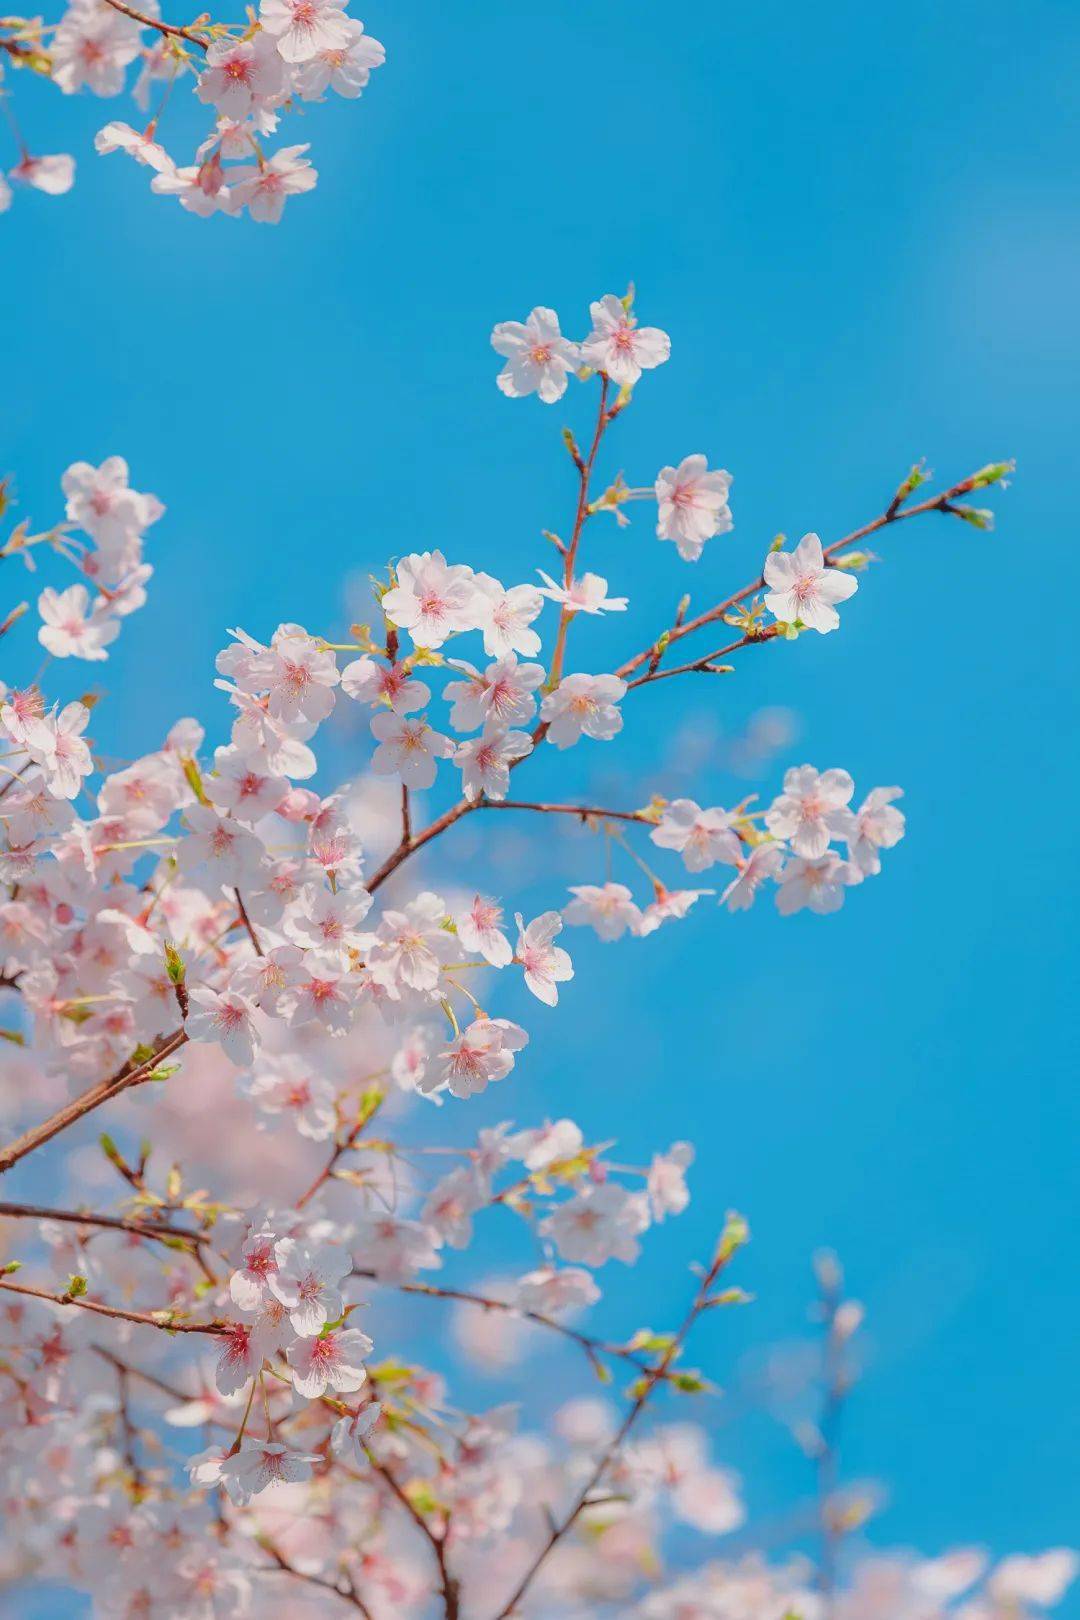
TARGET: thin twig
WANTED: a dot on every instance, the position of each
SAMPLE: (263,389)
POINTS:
(161,1319)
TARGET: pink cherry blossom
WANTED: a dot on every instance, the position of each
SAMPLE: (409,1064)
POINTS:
(546,964)
(608,908)
(692,505)
(333,1360)
(585,595)
(802,587)
(431,599)
(618,346)
(876,825)
(812,809)
(485,761)
(264,189)
(701,837)
(71,629)
(303,28)
(764,861)
(602,1223)
(538,358)
(346,70)
(225,1018)
(408,748)
(54,174)
(583,706)
(816,885)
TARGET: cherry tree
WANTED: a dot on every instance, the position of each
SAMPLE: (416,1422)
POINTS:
(249,75)
(245,1018)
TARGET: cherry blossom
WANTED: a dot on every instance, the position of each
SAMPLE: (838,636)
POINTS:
(408,748)
(812,809)
(120,137)
(350,1434)
(702,837)
(486,760)
(602,1223)
(482,1053)
(239,73)
(54,174)
(258,1466)
(227,1019)
(583,706)
(333,1360)
(877,825)
(666,1183)
(366,681)
(56,744)
(345,70)
(432,600)
(196,943)
(290,1091)
(70,628)
(546,964)
(504,616)
(264,188)
(303,28)
(608,908)
(585,595)
(618,346)
(692,505)
(764,861)
(480,929)
(817,885)
(306,1283)
(538,358)
(802,588)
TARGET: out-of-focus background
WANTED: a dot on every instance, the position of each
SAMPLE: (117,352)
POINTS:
(859,226)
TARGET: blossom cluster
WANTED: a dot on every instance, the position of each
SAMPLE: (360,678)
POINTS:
(249,76)
(270,986)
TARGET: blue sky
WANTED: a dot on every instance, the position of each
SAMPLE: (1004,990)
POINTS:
(859,226)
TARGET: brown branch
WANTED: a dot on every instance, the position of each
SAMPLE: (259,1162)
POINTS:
(582,810)
(168,29)
(86,1102)
(347,1142)
(246,920)
(281,1563)
(649,1382)
(706,664)
(680,628)
(161,1231)
(162,1319)
(593,1347)
(447,1584)
(892,514)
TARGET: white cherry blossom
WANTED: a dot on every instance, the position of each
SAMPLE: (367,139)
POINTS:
(583,706)
(538,358)
(802,587)
(618,346)
(692,505)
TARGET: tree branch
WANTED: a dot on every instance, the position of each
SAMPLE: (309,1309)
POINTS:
(161,1319)
(651,1379)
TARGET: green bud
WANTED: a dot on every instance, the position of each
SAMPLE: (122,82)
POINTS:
(76,1287)
(978,517)
(11,1267)
(194,780)
(736,1232)
(174,964)
(993,473)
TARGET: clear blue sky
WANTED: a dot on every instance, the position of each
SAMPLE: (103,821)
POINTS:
(859,225)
